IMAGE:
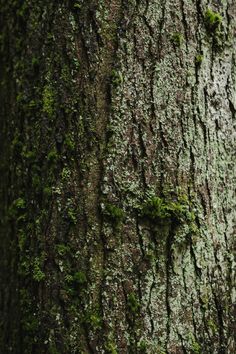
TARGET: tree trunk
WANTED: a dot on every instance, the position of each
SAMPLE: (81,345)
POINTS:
(117,176)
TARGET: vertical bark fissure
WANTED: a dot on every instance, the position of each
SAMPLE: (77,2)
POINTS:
(147,113)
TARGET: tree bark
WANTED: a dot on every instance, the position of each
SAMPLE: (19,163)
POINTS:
(117,176)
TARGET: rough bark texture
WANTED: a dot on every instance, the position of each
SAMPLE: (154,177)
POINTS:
(117,176)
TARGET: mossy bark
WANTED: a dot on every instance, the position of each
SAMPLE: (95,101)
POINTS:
(117,176)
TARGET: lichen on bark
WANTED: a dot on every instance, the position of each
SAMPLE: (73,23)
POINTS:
(117,177)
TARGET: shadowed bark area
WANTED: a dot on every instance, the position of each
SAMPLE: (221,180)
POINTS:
(117,176)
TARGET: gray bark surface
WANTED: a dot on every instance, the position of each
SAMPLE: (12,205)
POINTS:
(118,177)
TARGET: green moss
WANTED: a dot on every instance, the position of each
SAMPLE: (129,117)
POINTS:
(111,348)
(133,303)
(199,59)
(30,323)
(69,142)
(177,39)
(32,105)
(24,265)
(195,346)
(38,274)
(21,12)
(65,174)
(213,20)
(17,145)
(80,278)
(21,239)
(93,319)
(47,191)
(155,208)
(34,61)
(213,23)
(160,209)
(72,215)
(19,203)
(211,324)
(62,249)
(75,283)
(77,5)
(17,209)
(28,155)
(36,102)
(114,213)
(116,78)
(52,156)
(69,278)
(142,346)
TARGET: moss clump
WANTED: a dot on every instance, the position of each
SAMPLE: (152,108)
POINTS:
(38,274)
(213,20)
(72,216)
(133,303)
(21,239)
(75,283)
(17,145)
(114,213)
(159,209)
(93,319)
(62,249)
(17,209)
(24,268)
(69,142)
(47,191)
(198,59)
(116,78)
(155,208)
(34,61)
(177,39)
(213,327)
(77,5)
(111,348)
(28,155)
(213,23)
(52,156)
(142,346)
(65,174)
(79,278)
(195,347)
(19,203)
